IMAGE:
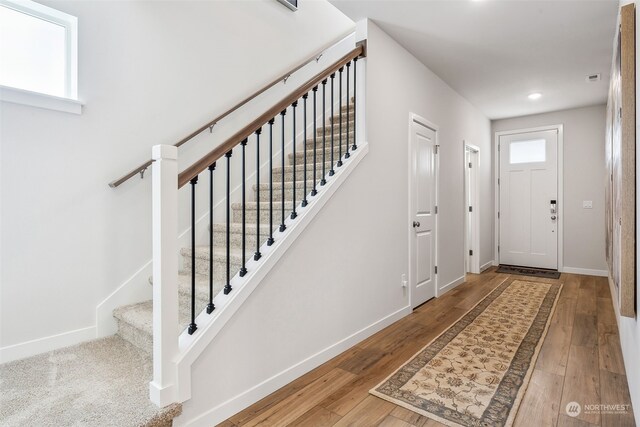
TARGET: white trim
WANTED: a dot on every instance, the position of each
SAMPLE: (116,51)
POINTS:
(191,346)
(415,118)
(70,24)
(451,285)
(585,271)
(236,404)
(42,345)
(40,100)
(485,266)
(474,264)
(560,129)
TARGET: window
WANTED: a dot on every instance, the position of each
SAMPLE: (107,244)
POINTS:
(38,50)
(533,151)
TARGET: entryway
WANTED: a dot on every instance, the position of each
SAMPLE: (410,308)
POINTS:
(423,208)
(529,208)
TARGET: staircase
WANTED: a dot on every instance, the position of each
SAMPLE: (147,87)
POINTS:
(135,321)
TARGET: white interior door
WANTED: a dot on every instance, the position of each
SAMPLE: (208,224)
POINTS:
(471,209)
(528,212)
(423,209)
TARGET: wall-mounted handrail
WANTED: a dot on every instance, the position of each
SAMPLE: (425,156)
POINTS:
(209,125)
(215,154)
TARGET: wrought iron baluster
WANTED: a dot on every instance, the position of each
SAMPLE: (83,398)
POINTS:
(211,306)
(347,155)
(331,171)
(192,326)
(304,136)
(354,147)
(270,240)
(323,181)
(243,269)
(340,110)
(315,142)
(282,225)
(227,286)
(257,255)
(294,214)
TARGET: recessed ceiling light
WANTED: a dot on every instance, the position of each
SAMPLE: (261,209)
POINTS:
(535,95)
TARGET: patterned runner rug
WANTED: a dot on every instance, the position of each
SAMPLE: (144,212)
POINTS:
(476,372)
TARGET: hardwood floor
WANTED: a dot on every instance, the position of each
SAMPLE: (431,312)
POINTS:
(580,361)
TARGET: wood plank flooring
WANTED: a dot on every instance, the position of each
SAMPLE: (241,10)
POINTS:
(580,361)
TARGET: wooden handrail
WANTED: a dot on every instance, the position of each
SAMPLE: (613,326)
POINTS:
(199,166)
(315,57)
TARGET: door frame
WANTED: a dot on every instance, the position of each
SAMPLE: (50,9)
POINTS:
(560,165)
(474,266)
(411,233)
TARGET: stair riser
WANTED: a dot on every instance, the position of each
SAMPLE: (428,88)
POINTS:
(220,238)
(336,132)
(336,124)
(288,176)
(336,141)
(288,172)
(202,295)
(219,266)
(327,147)
(327,156)
(288,194)
(135,336)
(342,116)
(264,215)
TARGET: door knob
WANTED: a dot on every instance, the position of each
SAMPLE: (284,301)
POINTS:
(553,217)
(416,224)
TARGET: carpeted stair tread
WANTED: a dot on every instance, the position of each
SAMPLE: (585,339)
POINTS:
(140,315)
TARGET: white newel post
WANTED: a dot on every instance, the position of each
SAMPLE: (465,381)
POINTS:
(163,387)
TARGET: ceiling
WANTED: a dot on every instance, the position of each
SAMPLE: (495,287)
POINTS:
(496,52)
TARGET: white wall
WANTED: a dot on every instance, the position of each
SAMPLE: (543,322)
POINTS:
(303,309)
(629,328)
(584,179)
(149,73)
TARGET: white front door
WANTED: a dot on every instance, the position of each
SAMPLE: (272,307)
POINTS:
(423,210)
(528,213)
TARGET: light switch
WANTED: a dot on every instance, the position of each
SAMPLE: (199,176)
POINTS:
(587,204)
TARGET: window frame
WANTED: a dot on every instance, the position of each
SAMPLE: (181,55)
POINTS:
(70,24)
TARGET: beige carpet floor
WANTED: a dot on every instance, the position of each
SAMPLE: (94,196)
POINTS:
(99,383)
(476,372)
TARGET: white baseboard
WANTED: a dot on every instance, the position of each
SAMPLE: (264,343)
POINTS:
(585,271)
(450,285)
(483,267)
(254,394)
(42,345)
